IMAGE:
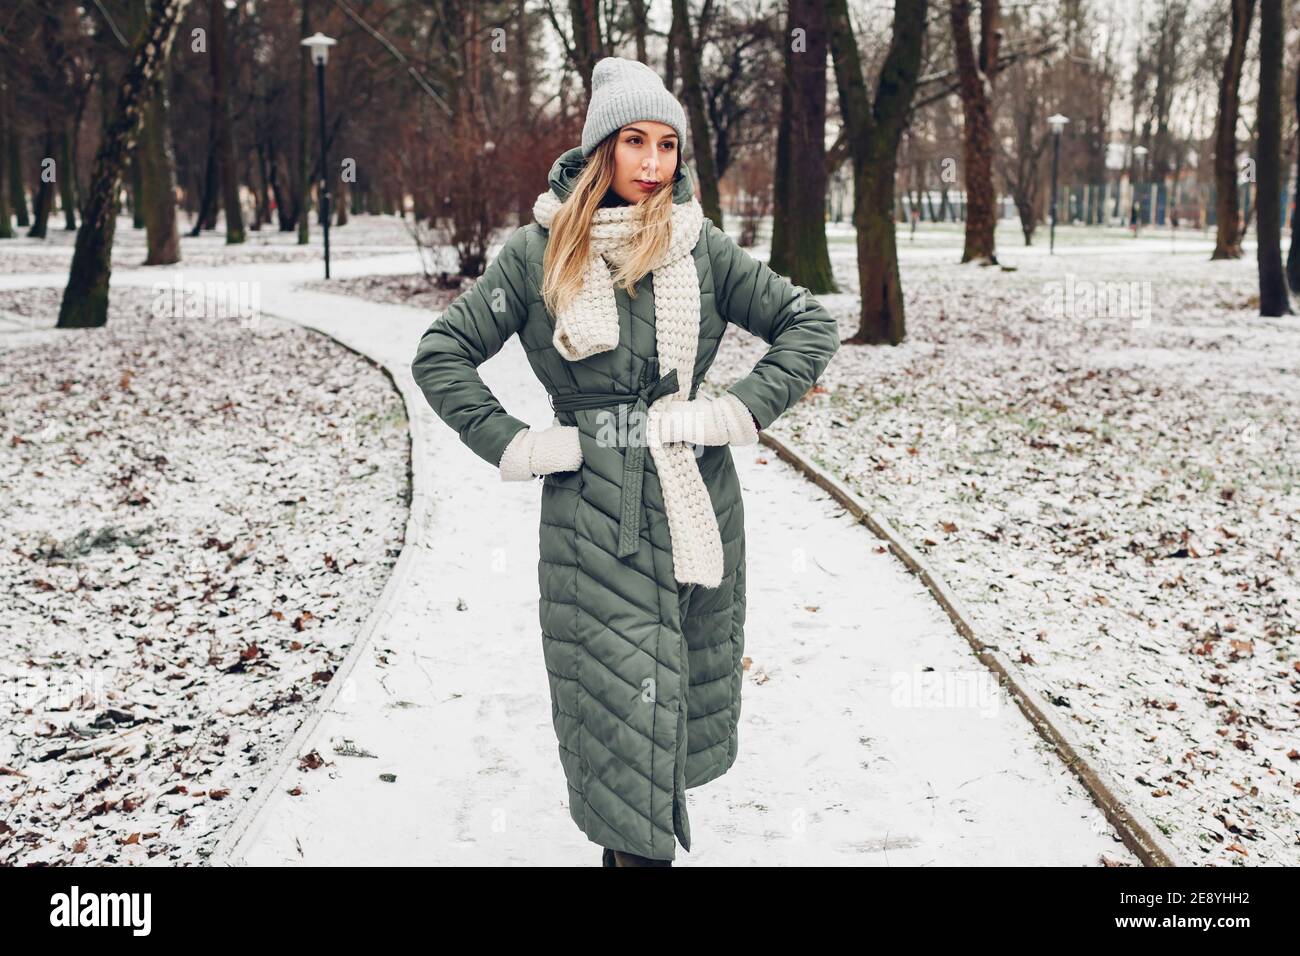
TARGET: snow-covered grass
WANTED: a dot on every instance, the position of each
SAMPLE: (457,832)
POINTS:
(362,236)
(409,289)
(197,516)
(1097,451)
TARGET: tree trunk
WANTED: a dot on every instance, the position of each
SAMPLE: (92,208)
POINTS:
(1273,299)
(85,300)
(1293,254)
(136,190)
(588,46)
(799,211)
(523,105)
(17,188)
(639,28)
(74,144)
(693,94)
(882,318)
(341,199)
(924,187)
(283,200)
(157,196)
(670,53)
(1227,242)
(302,187)
(1028,219)
(6,132)
(207,215)
(44,201)
(874,133)
(225,143)
(67,180)
(263,217)
(975,80)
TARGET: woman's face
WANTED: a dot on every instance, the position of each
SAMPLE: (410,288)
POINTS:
(645,159)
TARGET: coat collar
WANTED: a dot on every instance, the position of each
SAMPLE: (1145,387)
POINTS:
(568,167)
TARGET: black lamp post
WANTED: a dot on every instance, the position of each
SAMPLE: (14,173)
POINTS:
(1057,122)
(320,44)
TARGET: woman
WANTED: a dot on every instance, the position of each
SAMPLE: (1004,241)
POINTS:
(620,293)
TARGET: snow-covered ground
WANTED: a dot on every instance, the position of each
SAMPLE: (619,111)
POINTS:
(365,236)
(196,515)
(870,735)
(1097,450)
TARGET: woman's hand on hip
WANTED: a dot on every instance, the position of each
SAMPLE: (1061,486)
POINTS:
(708,421)
(533,453)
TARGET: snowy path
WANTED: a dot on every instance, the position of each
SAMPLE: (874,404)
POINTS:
(870,735)
(841,761)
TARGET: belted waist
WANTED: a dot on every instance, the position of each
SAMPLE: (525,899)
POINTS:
(653,386)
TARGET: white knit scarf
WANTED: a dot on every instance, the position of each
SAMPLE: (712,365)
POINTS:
(590,325)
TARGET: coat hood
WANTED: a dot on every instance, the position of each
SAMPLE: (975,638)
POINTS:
(569,165)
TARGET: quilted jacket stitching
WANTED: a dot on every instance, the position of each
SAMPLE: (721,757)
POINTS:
(637,687)
(613,829)
(624,761)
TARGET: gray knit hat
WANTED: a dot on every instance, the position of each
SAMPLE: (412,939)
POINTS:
(624,91)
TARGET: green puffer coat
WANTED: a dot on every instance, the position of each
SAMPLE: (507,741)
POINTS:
(644,673)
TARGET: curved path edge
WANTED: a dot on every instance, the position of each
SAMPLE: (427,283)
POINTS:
(245,828)
(1136,829)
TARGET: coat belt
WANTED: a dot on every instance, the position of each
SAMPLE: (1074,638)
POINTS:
(653,387)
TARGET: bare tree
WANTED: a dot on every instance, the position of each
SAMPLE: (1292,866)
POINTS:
(1293,254)
(157,170)
(799,209)
(225,143)
(1227,242)
(692,93)
(302,184)
(975,74)
(44,201)
(639,27)
(754,181)
(588,45)
(85,299)
(875,128)
(17,190)
(1268,166)
(523,100)
(13,135)
(48,82)
(1161,58)
(6,131)
(455,180)
(67,179)
(1022,166)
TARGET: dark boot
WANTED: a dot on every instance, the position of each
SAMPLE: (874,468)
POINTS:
(631,859)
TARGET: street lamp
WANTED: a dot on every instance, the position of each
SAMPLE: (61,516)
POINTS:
(1057,122)
(1141,153)
(320,44)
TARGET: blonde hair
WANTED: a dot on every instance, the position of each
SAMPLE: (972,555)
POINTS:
(569,246)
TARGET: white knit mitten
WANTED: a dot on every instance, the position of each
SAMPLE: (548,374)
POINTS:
(708,421)
(533,453)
